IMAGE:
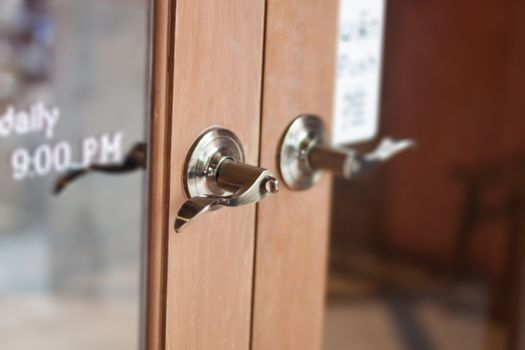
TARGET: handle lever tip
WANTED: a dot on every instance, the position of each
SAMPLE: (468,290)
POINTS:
(271,185)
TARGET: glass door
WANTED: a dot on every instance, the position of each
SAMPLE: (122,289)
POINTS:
(73,102)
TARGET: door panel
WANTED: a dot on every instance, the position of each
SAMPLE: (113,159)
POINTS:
(292,228)
(216,80)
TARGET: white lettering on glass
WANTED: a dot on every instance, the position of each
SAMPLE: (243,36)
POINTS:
(46,158)
(89,150)
(62,156)
(36,119)
(111,148)
(20,163)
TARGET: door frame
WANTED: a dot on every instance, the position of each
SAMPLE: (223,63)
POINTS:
(158,175)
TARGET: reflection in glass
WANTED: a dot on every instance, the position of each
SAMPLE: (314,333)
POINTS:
(409,272)
(72,93)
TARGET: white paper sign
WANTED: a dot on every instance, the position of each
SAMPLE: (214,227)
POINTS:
(358,76)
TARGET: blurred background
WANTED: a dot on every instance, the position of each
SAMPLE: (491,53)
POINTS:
(70,264)
(427,253)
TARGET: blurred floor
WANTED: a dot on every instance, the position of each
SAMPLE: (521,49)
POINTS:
(37,321)
(377,304)
(98,309)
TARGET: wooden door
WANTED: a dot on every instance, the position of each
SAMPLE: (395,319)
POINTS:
(249,277)
(292,227)
(207,72)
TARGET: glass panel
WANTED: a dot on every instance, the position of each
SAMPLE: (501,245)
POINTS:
(73,79)
(427,252)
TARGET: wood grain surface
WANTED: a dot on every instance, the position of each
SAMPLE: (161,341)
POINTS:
(292,228)
(217,67)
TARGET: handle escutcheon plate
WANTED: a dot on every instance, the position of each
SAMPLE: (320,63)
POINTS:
(204,158)
(304,133)
(215,176)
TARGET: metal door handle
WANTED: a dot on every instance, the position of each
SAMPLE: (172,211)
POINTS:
(350,164)
(215,176)
(135,159)
(305,152)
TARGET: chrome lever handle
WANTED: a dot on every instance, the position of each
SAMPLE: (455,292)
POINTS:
(215,177)
(249,183)
(305,153)
(350,164)
(253,191)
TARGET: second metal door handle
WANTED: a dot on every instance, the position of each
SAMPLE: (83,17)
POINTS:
(350,164)
(305,152)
